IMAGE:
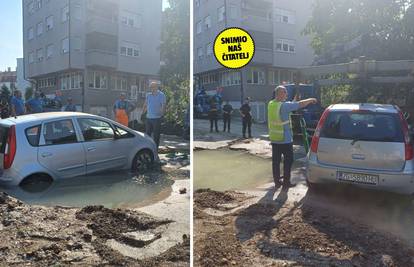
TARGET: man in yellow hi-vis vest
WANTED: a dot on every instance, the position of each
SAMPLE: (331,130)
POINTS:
(280,133)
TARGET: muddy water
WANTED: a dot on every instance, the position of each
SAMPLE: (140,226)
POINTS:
(230,170)
(112,190)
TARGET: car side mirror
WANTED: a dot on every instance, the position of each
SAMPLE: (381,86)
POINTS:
(117,135)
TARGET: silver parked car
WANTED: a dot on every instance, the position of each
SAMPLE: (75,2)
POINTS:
(367,145)
(60,145)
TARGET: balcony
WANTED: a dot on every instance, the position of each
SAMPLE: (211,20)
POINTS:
(263,56)
(256,23)
(96,24)
(101,58)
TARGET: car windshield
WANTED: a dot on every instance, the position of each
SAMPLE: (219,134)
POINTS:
(363,126)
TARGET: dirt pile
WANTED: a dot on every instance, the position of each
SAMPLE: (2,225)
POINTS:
(281,233)
(45,236)
(207,198)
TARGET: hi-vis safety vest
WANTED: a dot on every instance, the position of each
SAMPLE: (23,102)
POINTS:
(275,123)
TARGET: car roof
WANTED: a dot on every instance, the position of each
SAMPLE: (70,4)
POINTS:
(39,117)
(365,106)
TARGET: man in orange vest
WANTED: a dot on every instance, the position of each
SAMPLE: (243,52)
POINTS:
(122,110)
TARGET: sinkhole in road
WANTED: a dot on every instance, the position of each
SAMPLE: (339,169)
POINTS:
(230,170)
(110,189)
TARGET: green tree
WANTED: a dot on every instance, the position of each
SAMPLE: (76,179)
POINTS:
(175,55)
(29,93)
(341,30)
(5,91)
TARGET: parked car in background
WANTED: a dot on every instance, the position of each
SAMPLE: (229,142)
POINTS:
(366,145)
(58,145)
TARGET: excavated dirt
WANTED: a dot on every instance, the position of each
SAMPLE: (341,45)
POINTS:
(280,233)
(45,236)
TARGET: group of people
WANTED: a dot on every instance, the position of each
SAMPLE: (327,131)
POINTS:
(245,113)
(154,108)
(16,106)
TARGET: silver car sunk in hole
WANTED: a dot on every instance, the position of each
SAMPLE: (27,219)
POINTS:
(367,145)
(59,145)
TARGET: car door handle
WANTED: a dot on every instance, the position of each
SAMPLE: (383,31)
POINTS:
(90,149)
(47,154)
(358,156)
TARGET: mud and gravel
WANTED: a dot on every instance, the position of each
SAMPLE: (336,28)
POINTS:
(59,236)
(277,232)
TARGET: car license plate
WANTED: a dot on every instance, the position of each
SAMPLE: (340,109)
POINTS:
(360,178)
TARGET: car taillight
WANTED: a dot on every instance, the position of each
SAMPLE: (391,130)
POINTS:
(316,135)
(409,152)
(10,148)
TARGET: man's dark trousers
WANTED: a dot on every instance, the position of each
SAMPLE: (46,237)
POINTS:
(277,151)
(153,129)
(247,123)
(227,121)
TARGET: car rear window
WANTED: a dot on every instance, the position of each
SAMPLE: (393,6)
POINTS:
(3,138)
(33,135)
(364,126)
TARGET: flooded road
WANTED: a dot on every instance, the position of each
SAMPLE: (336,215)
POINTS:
(112,190)
(229,170)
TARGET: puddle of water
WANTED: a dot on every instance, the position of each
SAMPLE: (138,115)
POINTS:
(230,170)
(112,190)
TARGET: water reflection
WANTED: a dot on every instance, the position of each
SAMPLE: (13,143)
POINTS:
(111,189)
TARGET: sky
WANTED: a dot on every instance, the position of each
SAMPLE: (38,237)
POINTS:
(11,35)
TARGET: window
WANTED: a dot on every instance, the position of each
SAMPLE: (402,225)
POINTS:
(31,57)
(33,135)
(77,12)
(30,33)
(119,83)
(274,77)
(65,13)
(76,43)
(256,76)
(200,53)
(198,27)
(122,133)
(39,53)
(49,51)
(207,22)
(286,76)
(221,13)
(47,82)
(284,16)
(233,12)
(70,81)
(97,79)
(49,23)
(197,3)
(93,129)
(130,49)
(59,132)
(131,19)
(38,4)
(39,28)
(209,49)
(230,78)
(30,7)
(65,45)
(285,45)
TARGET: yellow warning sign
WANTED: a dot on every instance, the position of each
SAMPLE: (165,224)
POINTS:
(234,48)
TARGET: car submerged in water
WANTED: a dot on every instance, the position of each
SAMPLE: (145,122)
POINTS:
(367,145)
(58,145)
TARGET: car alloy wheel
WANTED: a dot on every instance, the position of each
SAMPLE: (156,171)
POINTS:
(143,161)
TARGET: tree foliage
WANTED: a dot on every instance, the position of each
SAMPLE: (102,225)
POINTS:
(175,55)
(342,30)
(29,93)
(5,91)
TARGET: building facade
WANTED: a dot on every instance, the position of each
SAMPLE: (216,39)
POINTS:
(275,26)
(8,78)
(22,84)
(92,50)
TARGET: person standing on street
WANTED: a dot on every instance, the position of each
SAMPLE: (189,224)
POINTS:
(35,104)
(213,115)
(70,106)
(121,110)
(17,104)
(155,104)
(227,110)
(280,133)
(245,112)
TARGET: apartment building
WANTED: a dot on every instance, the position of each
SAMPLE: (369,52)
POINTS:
(275,26)
(8,78)
(92,50)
